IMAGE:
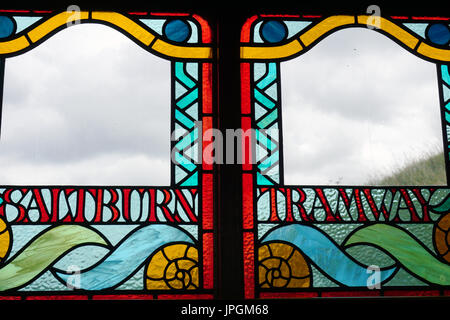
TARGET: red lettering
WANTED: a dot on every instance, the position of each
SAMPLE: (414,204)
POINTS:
(373,207)
(40,205)
(21,217)
(126,204)
(423,203)
(409,205)
(55,204)
(348,201)
(361,214)
(329,213)
(69,216)
(112,205)
(299,205)
(80,206)
(289,216)
(186,207)
(48,201)
(126,200)
(164,207)
(152,204)
(273,206)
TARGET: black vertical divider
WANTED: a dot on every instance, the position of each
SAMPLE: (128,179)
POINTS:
(229,217)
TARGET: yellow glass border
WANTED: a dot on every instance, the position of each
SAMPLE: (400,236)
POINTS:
(151,41)
(333,23)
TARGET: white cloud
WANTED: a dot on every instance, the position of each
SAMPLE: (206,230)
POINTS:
(87,106)
(355,105)
(110,169)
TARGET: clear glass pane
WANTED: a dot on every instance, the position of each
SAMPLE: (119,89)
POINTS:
(87,107)
(358,108)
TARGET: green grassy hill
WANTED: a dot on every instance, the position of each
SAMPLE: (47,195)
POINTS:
(429,170)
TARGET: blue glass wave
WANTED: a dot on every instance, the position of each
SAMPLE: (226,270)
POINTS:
(127,257)
(326,255)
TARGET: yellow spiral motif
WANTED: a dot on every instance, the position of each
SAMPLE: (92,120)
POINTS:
(174,267)
(5,239)
(282,266)
(442,237)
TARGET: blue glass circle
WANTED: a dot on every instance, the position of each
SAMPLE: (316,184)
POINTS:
(6,26)
(439,33)
(177,30)
(273,31)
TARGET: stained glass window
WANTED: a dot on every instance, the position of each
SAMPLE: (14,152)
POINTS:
(115,183)
(307,236)
(85,203)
